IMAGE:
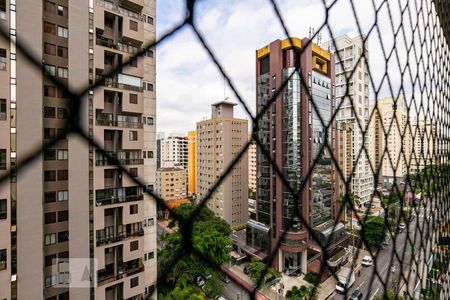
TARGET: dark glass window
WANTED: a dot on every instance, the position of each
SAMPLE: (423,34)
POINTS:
(133,25)
(49,175)
(2,159)
(3,209)
(49,197)
(49,49)
(134,245)
(63,216)
(63,236)
(63,174)
(3,261)
(49,112)
(49,91)
(50,154)
(2,109)
(50,218)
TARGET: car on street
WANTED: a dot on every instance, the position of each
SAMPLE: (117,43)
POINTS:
(367,261)
(225,278)
(200,281)
(356,295)
(401,227)
(369,205)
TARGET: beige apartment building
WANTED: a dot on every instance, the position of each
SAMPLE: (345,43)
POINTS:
(219,140)
(252,166)
(171,183)
(398,142)
(423,134)
(72,215)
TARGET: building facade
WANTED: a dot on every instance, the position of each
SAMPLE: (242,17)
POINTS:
(252,167)
(423,134)
(192,163)
(73,208)
(174,150)
(291,131)
(354,109)
(171,183)
(219,140)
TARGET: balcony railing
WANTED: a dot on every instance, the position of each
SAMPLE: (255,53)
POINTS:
(118,9)
(109,43)
(120,236)
(118,195)
(108,82)
(124,269)
(123,157)
(104,119)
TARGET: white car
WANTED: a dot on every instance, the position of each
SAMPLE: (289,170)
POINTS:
(402,226)
(367,261)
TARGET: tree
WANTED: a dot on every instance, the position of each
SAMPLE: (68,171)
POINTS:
(390,295)
(374,231)
(257,267)
(186,293)
(297,293)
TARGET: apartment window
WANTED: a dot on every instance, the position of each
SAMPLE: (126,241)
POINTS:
(49,259)
(150,154)
(62,93)
(49,133)
(62,113)
(2,109)
(3,209)
(49,69)
(134,245)
(63,72)
(50,281)
(148,87)
(149,20)
(144,154)
(63,236)
(134,282)
(133,25)
(50,218)
(63,195)
(63,216)
(49,175)
(61,132)
(150,121)
(133,135)
(151,255)
(134,172)
(62,11)
(151,222)
(63,154)
(63,32)
(49,6)
(50,239)
(49,28)
(49,49)
(63,52)
(49,91)
(149,53)
(134,63)
(2,59)
(63,175)
(133,98)
(49,197)
(133,209)
(49,154)
(3,261)
(49,112)
(3,9)
(2,159)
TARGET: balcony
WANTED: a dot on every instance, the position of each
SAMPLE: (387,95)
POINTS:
(124,232)
(118,195)
(109,43)
(124,269)
(123,157)
(118,9)
(111,83)
(123,121)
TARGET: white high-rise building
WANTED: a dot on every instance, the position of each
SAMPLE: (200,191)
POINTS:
(347,54)
(252,166)
(174,151)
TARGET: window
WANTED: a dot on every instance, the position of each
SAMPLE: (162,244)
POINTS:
(63,32)
(150,154)
(2,159)
(3,261)
(134,172)
(149,20)
(3,209)
(61,132)
(150,121)
(49,91)
(49,112)
(50,281)
(49,260)
(134,282)
(49,197)
(63,216)
(133,98)
(63,195)
(133,25)
(50,239)
(149,53)
(63,52)
(49,133)
(63,236)
(63,154)
(148,87)
(63,175)
(49,49)
(63,72)
(134,62)
(49,154)
(133,135)
(62,10)
(49,28)
(151,255)
(3,9)
(151,222)
(2,109)
(49,69)
(50,218)
(134,245)
(62,113)
(2,59)
(133,209)
(49,175)
(49,6)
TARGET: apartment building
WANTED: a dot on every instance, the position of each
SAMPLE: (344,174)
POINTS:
(171,183)
(252,167)
(292,133)
(423,135)
(192,163)
(174,149)
(391,139)
(351,72)
(72,215)
(219,140)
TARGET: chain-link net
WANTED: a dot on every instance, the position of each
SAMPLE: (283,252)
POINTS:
(419,57)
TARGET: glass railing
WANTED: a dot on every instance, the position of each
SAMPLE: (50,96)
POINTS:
(109,43)
(124,269)
(109,82)
(124,158)
(107,119)
(118,195)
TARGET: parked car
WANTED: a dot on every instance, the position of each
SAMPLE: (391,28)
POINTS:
(225,278)
(207,276)
(367,261)
(356,295)
(200,281)
(401,227)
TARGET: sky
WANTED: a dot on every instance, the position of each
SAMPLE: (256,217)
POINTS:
(188,81)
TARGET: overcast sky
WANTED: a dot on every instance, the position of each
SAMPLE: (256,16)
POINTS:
(188,82)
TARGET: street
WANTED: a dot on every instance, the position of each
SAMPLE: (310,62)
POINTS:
(233,291)
(371,283)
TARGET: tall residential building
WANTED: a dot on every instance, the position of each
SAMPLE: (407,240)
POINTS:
(353,109)
(423,134)
(398,142)
(174,149)
(292,133)
(192,163)
(159,136)
(252,167)
(219,140)
(72,215)
(171,183)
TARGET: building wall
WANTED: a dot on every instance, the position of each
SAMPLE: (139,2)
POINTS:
(252,166)
(192,163)
(174,150)
(171,183)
